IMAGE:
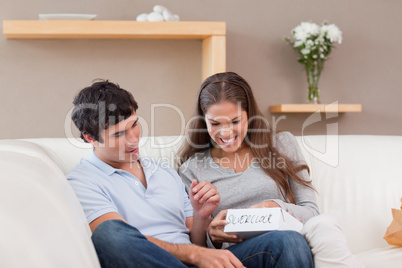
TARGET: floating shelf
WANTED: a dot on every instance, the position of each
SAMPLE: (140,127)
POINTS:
(58,29)
(312,108)
(212,34)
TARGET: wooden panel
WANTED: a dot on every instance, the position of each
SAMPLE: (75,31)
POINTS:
(213,55)
(312,108)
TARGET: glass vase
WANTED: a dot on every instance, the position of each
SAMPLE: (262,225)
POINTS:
(313,95)
(313,76)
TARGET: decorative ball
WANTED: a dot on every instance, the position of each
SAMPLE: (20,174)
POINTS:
(155,16)
(142,17)
(176,17)
(159,13)
(159,9)
(167,15)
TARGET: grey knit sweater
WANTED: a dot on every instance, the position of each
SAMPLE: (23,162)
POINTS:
(244,189)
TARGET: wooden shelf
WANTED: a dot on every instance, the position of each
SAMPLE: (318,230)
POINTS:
(212,34)
(35,29)
(312,108)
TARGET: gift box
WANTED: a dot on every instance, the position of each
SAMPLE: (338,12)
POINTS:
(247,223)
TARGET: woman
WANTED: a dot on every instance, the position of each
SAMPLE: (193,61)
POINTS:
(230,144)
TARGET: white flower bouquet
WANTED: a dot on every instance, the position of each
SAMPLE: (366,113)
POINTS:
(314,43)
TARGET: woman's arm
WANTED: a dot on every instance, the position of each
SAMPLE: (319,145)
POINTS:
(216,233)
(204,198)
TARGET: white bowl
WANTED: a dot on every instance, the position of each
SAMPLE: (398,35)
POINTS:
(66,16)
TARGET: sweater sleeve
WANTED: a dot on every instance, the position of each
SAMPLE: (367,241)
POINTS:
(306,201)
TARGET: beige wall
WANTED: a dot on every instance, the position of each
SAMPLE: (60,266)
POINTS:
(39,78)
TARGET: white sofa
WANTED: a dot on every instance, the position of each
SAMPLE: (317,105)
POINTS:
(358,179)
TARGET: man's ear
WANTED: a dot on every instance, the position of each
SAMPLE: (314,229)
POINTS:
(90,139)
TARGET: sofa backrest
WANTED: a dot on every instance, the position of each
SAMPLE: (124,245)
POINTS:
(357,177)
(68,152)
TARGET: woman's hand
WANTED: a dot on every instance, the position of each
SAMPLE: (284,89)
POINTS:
(265,204)
(216,233)
(204,198)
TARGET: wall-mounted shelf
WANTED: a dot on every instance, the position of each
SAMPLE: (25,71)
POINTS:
(312,108)
(212,34)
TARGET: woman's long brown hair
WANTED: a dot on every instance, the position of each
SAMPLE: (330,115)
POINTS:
(233,88)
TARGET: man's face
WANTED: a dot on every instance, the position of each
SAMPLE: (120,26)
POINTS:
(120,143)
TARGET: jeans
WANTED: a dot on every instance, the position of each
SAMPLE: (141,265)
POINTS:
(118,244)
(274,249)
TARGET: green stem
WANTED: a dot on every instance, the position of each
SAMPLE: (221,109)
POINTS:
(313,70)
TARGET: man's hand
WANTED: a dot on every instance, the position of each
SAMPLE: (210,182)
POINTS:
(204,198)
(201,257)
(216,233)
(217,258)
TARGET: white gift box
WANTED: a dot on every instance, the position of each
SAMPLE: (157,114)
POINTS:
(247,223)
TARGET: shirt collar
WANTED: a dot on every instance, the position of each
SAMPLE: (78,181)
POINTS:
(108,169)
(147,165)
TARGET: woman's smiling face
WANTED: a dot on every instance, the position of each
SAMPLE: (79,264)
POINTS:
(227,125)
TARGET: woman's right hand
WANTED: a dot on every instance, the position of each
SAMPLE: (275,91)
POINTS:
(216,233)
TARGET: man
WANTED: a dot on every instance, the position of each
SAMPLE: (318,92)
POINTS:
(139,211)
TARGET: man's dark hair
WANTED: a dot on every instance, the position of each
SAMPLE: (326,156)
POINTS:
(101,105)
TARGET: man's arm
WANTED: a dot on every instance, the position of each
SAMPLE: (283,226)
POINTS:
(188,254)
(105,217)
(199,256)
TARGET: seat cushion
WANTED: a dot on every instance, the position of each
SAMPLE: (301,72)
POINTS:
(387,257)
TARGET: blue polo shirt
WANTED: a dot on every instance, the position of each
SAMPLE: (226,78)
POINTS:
(160,210)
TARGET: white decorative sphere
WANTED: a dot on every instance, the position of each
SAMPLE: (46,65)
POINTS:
(142,17)
(176,17)
(155,16)
(159,9)
(167,15)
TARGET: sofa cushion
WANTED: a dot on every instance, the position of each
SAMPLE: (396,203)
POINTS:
(42,223)
(387,257)
(358,180)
